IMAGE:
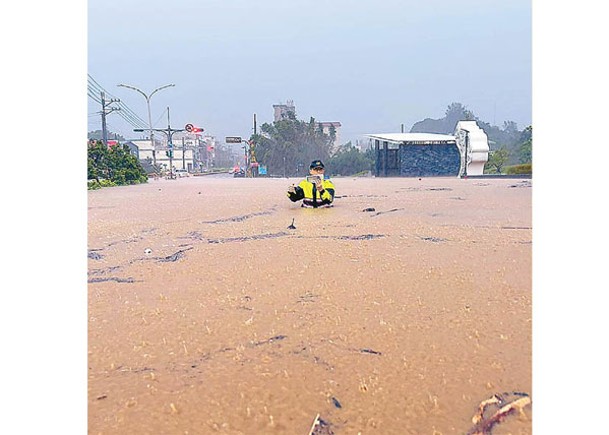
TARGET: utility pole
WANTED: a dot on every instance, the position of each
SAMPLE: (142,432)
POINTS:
(183,154)
(170,145)
(169,133)
(104,113)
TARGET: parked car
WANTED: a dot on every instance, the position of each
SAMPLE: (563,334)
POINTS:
(182,173)
(239,173)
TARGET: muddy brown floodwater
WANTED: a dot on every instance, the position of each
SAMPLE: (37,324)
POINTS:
(208,314)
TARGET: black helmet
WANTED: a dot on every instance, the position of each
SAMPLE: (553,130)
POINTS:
(316,164)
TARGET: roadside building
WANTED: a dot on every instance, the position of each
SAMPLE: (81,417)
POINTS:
(284,111)
(430,154)
(183,154)
(143,151)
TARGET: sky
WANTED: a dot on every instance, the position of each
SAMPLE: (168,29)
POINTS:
(371,65)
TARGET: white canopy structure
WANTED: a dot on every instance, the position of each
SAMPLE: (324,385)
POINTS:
(467,158)
(413,138)
(473,145)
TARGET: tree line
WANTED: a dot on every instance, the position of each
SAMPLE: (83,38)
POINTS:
(286,146)
(508,145)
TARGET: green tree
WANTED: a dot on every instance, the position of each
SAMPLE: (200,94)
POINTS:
(496,161)
(508,135)
(525,150)
(115,164)
(287,146)
(98,135)
(349,160)
(97,160)
(455,112)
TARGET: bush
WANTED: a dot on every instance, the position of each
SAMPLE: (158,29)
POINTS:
(526,168)
(349,160)
(94,184)
(115,164)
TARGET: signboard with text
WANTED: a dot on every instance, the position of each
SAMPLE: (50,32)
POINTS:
(233,139)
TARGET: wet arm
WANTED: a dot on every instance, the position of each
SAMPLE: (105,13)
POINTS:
(297,195)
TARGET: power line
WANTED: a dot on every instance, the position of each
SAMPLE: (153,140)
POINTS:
(125,112)
(160,117)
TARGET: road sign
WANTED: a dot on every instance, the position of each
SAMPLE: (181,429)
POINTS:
(189,127)
(233,139)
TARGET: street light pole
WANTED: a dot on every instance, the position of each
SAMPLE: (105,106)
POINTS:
(169,132)
(148,97)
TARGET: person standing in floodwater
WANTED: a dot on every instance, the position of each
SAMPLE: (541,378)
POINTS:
(315,191)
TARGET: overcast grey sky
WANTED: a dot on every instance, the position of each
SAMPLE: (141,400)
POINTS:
(372,65)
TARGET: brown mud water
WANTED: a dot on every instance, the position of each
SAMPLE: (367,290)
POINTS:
(207,315)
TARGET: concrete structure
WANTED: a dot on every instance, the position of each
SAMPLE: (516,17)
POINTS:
(282,111)
(182,156)
(142,149)
(432,154)
(473,146)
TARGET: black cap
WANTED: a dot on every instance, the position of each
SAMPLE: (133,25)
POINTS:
(316,164)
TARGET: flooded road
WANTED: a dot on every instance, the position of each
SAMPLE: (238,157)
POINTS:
(216,305)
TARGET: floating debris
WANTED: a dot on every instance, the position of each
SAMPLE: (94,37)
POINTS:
(433,239)
(104,270)
(525,183)
(111,278)
(320,427)
(248,238)
(336,402)
(94,255)
(362,237)
(238,218)
(369,209)
(373,352)
(147,251)
(388,211)
(292,227)
(270,340)
(174,257)
(494,410)
(307,297)
(194,235)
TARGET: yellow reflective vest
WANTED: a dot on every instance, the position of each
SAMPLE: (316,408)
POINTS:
(311,197)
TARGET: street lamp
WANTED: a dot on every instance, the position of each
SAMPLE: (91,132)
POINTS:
(148,97)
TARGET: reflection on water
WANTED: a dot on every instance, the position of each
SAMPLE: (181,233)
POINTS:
(208,314)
